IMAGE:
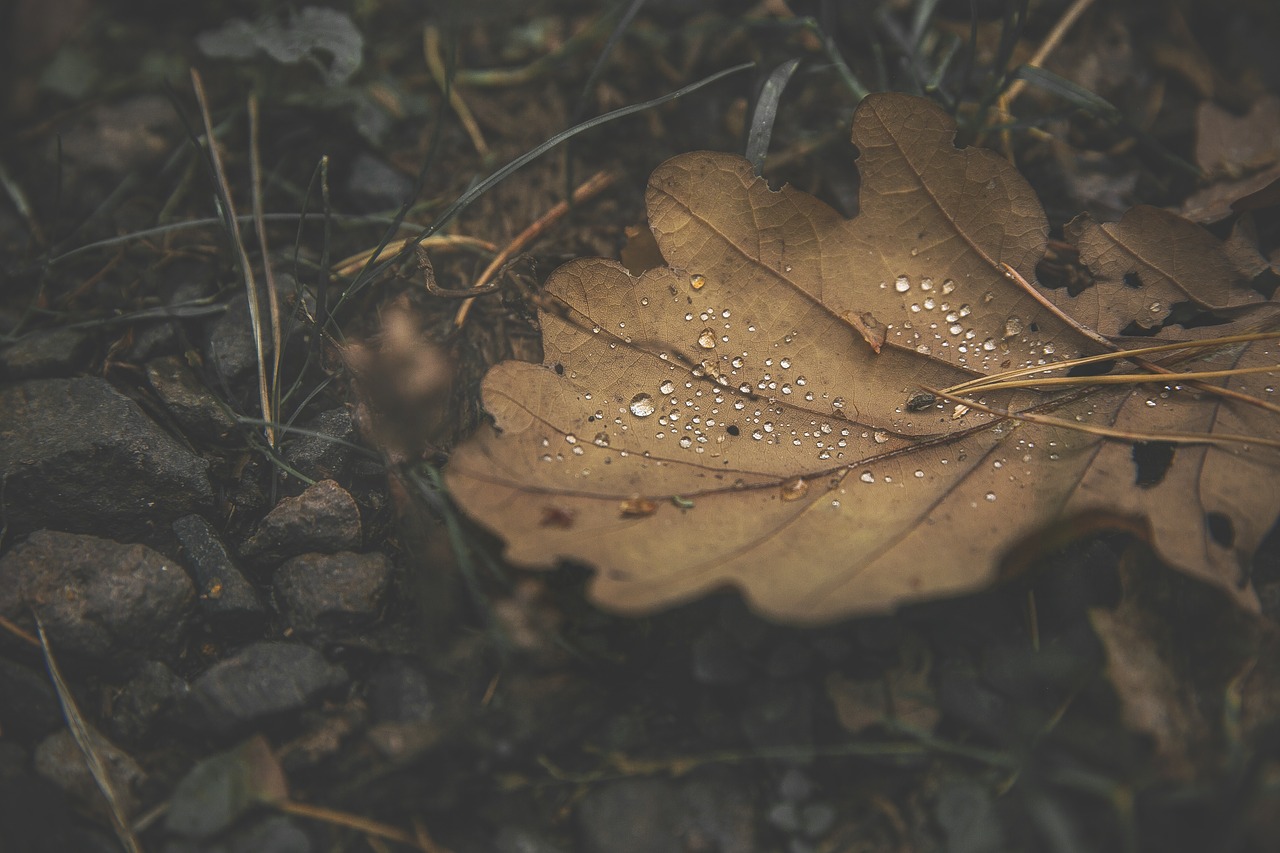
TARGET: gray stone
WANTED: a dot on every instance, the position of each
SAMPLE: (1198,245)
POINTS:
(708,811)
(112,603)
(60,760)
(262,680)
(322,455)
(152,693)
(28,706)
(57,352)
(324,518)
(78,455)
(229,602)
(199,412)
(326,592)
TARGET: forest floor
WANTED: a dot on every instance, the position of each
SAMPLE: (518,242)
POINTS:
(268,625)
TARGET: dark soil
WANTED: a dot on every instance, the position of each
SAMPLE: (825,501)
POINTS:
(302,646)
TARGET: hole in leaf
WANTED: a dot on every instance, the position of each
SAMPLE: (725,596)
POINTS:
(1132,279)
(1151,461)
(1097,368)
(1034,327)
(1220,528)
(1135,331)
(732,429)
(559,369)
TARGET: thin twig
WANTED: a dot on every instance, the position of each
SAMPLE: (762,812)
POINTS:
(277,339)
(84,738)
(589,188)
(435,62)
(1050,43)
(351,821)
(242,256)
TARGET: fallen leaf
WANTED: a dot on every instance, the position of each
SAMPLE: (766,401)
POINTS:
(743,378)
(1145,265)
(1241,157)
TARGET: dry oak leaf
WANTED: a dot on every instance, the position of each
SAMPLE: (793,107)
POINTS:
(752,415)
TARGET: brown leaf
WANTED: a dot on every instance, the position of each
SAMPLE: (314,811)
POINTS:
(775,449)
(1144,265)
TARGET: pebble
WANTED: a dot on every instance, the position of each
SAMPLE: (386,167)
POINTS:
(60,760)
(708,811)
(57,352)
(199,413)
(122,478)
(718,658)
(152,694)
(28,706)
(322,455)
(332,592)
(324,519)
(107,602)
(262,680)
(228,601)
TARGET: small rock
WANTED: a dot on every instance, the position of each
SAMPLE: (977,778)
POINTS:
(228,601)
(718,658)
(331,592)
(324,519)
(785,817)
(516,839)
(60,760)
(632,816)
(377,186)
(816,819)
(262,680)
(28,706)
(322,455)
(710,811)
(795,786)
(109,602)
(151,694)
(400,691)
(200,413)
(779,714)
(229,343)
(79,455)
(57,352)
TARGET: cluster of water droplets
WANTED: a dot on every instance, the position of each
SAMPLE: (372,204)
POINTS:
(939,321)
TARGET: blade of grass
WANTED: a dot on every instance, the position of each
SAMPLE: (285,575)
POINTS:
(277,340)
(373,271)
(231,224)
(766,113)
(84,738)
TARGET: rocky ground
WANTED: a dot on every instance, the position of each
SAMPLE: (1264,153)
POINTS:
(212,641)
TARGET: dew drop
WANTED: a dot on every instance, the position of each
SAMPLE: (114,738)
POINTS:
(707,340)
(601,439)
(738,361)
(902,284)
(867,477)
(686,442)
(642,405)
(786,389)
(644,300)
(571,439)
(667,386)
(948,286)
(991,497)
(919,474)
(697,282)
(880,436)
(794,490)
(926,283)
(785,363)
(1012,327)
(837,403)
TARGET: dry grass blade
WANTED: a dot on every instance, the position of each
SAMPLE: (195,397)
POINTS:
(273,297)
(591,187)
(353,264)
(84,739)
(242,256)
(435,62)
(356,822)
